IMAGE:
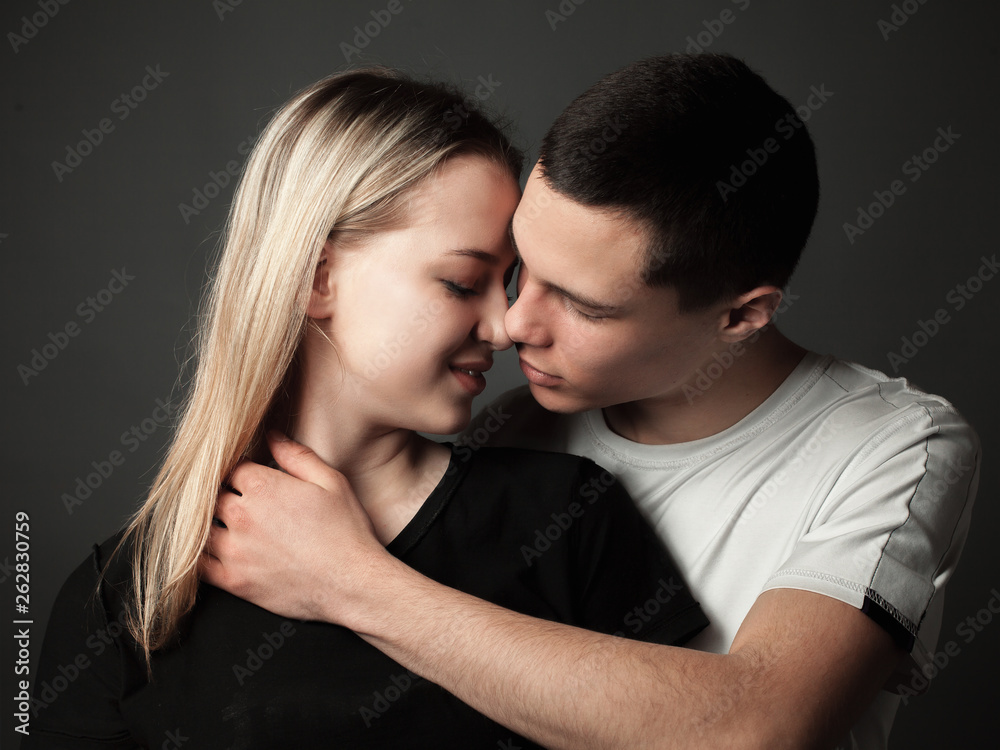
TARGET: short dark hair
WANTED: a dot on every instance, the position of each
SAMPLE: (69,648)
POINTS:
(664,141)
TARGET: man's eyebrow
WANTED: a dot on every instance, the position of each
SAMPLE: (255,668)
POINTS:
(580,299)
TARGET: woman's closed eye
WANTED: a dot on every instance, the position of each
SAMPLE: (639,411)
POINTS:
(459,290)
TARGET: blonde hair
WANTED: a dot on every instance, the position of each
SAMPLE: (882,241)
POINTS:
(333,163)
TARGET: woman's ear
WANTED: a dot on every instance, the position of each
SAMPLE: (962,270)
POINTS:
(750,312)
(321,300)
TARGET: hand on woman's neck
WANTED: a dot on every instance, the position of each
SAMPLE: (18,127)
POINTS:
(392,470)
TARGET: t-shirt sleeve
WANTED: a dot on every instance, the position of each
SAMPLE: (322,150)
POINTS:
(76,687)
(626,583)
(890,533)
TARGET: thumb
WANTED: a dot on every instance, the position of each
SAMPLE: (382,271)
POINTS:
(298,460)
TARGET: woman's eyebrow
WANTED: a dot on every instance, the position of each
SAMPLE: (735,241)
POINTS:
(471,252)
(513,242)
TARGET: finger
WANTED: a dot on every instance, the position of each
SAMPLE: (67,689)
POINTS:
(248,479)
(216,538)
(298,460)
(223,507)
(210,569)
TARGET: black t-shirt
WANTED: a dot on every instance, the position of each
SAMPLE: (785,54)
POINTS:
(549,535)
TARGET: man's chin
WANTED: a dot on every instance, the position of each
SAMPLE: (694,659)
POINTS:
(558,401)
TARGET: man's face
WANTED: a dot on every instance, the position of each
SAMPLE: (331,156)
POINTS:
(589,332)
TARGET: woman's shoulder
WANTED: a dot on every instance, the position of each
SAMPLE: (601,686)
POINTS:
(108,563)
(87,603)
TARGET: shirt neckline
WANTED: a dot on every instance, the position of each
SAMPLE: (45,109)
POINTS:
(676,455)
(431,508)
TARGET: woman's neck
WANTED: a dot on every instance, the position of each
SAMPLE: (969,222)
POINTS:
(392,470)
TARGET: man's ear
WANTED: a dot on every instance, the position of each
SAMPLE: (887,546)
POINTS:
(750,312)
(321,300)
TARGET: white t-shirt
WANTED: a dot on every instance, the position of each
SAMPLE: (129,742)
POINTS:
(843,482)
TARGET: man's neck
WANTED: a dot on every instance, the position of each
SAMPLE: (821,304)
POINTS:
(699,409)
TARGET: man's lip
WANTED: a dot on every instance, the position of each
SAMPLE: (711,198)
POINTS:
(539,377)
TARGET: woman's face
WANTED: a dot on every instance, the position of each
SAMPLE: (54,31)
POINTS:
(416,312)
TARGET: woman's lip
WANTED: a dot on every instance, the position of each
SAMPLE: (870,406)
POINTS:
(474,384)
(479,366)
(536,376)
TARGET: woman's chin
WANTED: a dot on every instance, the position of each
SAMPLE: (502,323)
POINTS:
(448,424)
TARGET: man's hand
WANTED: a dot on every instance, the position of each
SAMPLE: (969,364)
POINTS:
(286,534)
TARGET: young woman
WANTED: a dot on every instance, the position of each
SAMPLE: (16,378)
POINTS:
(359,298)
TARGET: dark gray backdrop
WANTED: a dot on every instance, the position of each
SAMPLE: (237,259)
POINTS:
(209,73)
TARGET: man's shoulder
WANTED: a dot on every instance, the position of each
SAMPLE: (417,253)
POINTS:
(874,417)
(864,397)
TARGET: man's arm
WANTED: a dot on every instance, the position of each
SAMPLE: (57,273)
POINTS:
(802,668)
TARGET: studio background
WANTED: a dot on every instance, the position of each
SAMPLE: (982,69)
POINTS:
(105,248)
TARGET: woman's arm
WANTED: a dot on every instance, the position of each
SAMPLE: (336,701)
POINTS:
(77,685)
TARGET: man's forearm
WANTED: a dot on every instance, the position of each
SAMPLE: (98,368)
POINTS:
(561,686)
(801,670)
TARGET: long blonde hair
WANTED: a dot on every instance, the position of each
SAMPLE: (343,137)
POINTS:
(333,163)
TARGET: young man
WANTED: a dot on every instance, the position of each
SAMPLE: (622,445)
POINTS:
(816,508)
